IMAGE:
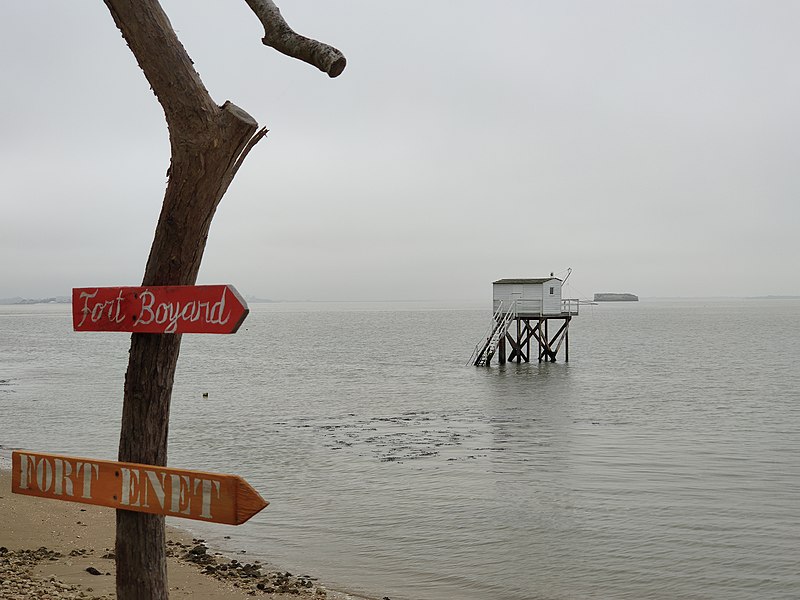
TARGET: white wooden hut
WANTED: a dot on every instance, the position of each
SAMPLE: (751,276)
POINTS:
(528,297)
(523,309)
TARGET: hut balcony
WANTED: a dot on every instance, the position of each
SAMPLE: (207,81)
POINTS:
(532,308)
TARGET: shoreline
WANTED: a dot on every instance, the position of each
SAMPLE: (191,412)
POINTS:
(65,550)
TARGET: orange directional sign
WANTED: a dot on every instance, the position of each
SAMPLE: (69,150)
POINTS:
(197,495)
(159,309)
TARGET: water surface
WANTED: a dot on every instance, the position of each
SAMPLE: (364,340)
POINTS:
(662,461)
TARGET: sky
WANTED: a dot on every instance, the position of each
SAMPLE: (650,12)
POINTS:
(651,147)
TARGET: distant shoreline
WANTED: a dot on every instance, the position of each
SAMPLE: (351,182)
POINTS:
(19,301)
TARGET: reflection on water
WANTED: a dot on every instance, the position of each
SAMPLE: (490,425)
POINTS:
(661,462)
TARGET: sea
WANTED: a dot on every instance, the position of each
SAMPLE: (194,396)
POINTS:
(661,462)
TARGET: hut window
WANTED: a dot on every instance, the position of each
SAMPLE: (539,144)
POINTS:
(551,290)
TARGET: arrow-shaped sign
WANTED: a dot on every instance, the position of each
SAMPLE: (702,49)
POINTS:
(197,495)
(159,309)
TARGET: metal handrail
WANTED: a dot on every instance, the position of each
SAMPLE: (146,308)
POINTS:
(496,329)
(500,330)
(571,306)
(535,306)
(488,335)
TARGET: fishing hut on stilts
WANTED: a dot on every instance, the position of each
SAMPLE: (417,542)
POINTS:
(529,315)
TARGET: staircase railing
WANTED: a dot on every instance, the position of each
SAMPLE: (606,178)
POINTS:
(499,332)
(484,350)
(488,336)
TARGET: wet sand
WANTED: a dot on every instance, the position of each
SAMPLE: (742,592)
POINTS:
(64,550)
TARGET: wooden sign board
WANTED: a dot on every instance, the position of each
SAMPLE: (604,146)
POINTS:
(196,495)
(159,309)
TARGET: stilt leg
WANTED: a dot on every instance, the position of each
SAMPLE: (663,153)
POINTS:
(539,338)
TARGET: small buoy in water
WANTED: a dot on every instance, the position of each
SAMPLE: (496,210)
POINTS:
(205,394)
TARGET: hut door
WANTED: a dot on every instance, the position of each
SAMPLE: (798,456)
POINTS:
(514,297)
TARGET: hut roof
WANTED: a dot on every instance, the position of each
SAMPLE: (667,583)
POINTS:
(523,281)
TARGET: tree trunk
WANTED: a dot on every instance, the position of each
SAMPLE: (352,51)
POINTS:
(200,172)
(208,144)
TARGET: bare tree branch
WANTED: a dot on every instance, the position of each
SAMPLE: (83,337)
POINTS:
(283,38)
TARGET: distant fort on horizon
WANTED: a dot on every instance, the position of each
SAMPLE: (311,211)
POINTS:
(606,297)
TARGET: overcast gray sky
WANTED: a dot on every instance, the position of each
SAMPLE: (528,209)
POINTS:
(650,146)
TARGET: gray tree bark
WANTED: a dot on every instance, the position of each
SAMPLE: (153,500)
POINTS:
(280,36)
(208,144)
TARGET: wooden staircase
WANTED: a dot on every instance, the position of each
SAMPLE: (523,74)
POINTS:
(485,349)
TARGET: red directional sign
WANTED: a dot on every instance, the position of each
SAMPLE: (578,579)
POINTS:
(211,497)
(159,309)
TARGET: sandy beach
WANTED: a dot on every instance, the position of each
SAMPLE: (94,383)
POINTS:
(64,550)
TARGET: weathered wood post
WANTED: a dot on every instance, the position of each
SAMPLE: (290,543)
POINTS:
(539,339)
(208,144)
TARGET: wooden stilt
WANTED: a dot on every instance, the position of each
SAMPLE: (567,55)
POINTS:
(539,338)
(547,334)
(562,334)
(527,340)
(514,347)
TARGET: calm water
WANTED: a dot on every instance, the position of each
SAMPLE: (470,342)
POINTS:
(661,462)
